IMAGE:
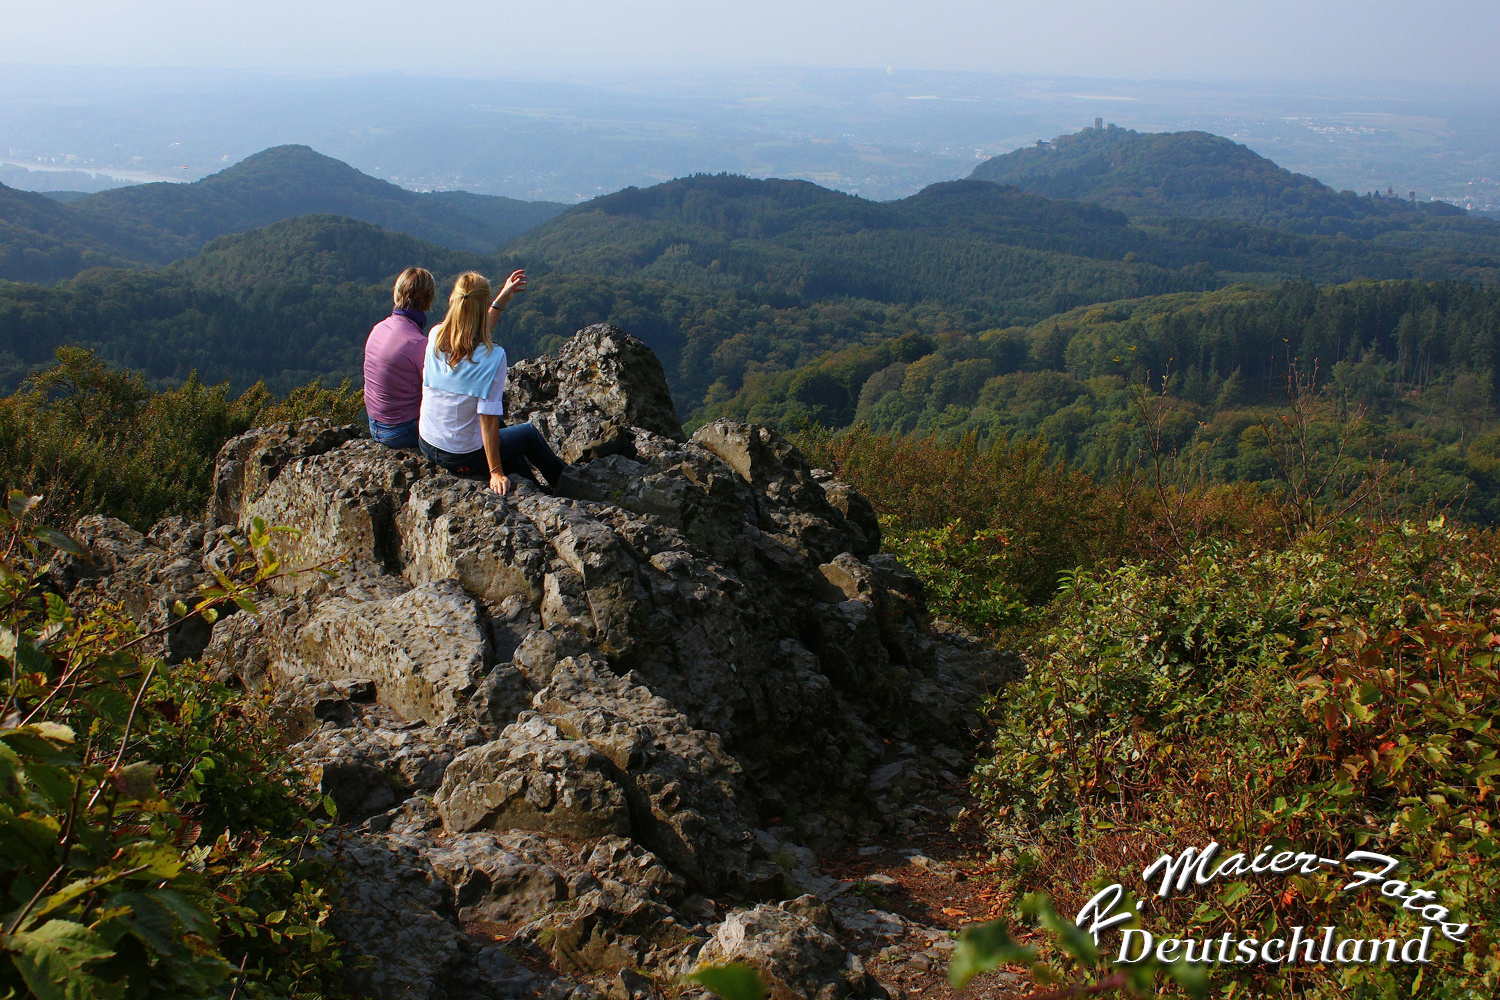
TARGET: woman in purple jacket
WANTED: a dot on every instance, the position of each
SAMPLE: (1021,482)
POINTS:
(393,362)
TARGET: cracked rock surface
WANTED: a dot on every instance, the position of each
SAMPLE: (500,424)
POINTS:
(579,743)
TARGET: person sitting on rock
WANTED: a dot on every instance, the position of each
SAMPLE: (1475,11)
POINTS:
(463,390)
(393,361)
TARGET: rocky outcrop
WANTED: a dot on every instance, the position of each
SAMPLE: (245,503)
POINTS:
(423,651)
(591,397)
(593,724)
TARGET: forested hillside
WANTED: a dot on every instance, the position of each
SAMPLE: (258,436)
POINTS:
(287,303)
(287,181)
(968,242)
(1200,175)
(295,301)
(1405,369)
(726,277)
(968,306)
(42,239)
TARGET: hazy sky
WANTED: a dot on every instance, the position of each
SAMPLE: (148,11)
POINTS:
(1440,41)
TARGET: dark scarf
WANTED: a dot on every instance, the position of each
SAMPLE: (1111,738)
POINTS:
(415,315)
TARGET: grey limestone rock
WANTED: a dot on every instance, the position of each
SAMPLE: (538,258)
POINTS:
(424,651)
(574,716)
(343,503)
(684,789)
(145,573)
(248,464)
(373,759)
(501,877)
(602,382)
(533,779)
(396,911)
(796,957)
(452,529)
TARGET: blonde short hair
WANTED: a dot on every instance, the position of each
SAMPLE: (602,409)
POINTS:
(414,289)
(464,328)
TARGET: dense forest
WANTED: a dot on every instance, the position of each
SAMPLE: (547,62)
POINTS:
(970,306)
(1414,362)
(970,243)
(294,302)
(725,277)
(283,302)
(41,239)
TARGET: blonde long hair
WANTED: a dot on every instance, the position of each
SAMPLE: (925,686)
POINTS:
(463,329)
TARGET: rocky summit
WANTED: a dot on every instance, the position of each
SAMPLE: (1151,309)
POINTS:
(579,741)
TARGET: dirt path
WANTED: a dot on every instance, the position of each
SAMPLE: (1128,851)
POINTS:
(915,894)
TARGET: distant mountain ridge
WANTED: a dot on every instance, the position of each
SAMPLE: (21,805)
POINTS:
(730,279)
(287,181)
(44,239)
(1200,175)
(968,242)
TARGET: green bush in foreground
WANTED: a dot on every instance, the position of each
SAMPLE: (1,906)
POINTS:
(143,853)
(1336,694)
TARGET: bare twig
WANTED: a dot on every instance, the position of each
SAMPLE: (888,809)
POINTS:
(1320,488)
(1171,481)
(125,737)
(31,903)
(240,980)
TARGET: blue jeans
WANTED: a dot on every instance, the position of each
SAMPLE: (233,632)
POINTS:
(395,435)
(521,447)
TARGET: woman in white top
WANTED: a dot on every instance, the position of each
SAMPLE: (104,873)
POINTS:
(463,390)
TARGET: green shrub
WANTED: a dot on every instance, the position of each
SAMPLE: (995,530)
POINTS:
(1336,694)
(143,853)
(970,576)
(992,530)
(1008,499)
(95,439)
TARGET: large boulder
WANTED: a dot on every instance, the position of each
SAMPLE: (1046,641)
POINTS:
(424,651)
(533,779)
(458,530)
(397,916)
(796,958)
(589,395)
(685,792)
(343,504)
(248,464)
